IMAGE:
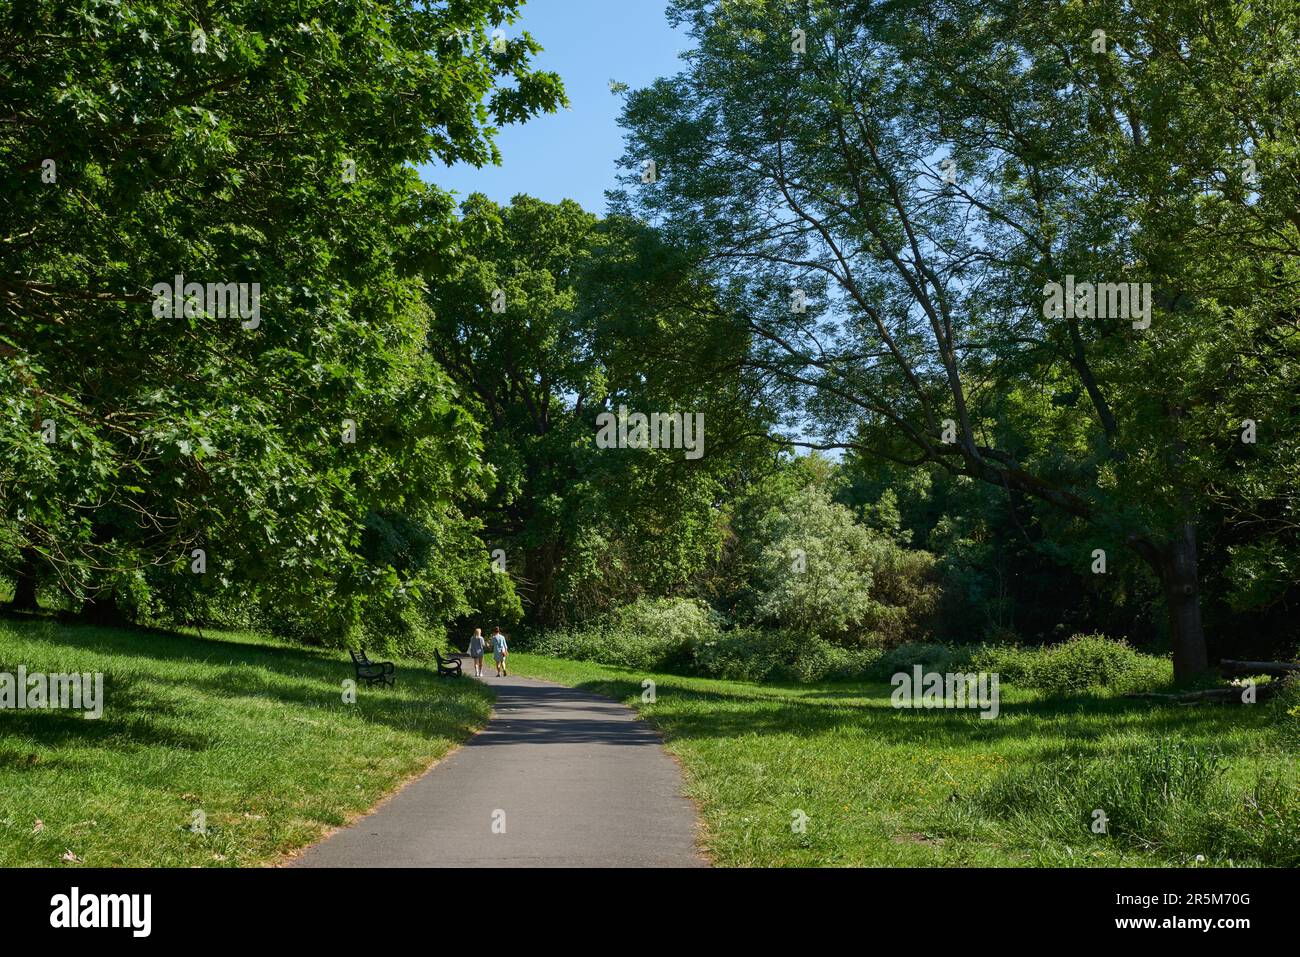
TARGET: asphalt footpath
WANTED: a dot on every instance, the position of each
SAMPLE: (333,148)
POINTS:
(558,778)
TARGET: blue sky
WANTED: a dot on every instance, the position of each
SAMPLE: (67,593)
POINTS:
(571,154)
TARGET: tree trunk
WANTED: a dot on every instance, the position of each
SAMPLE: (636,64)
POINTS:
(25,581)
(1178,573)
(543,572)
(101,609)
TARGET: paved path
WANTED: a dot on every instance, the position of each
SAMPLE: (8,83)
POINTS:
(581,782)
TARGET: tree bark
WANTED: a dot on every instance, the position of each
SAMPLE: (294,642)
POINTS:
(1178,574)
(25,581)
(543,571)
(101,609)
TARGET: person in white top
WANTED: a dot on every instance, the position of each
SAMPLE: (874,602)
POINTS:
(477,645)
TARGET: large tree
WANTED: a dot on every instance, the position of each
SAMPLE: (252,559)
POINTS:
(545,325)
(885,191)
(250,143)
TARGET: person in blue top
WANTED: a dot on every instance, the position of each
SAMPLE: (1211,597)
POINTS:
(499,651)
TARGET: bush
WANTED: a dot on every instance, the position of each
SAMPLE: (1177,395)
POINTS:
(754,654)
(402,631)
(745,654)
(1287,702)
(828,662)
(678,622)
(1012,664)
(819,571)
(609,646)
(905,596)
(651,634)
(1084,662)
(686,637)
(814,569)
(930,656)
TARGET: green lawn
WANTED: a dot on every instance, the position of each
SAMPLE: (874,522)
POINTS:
(255,734)
(251,732)
(887,787)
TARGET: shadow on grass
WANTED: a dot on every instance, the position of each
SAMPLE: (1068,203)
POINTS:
(135,716)
(1050,726)
(146,722)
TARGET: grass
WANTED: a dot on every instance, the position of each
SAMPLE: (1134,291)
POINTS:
(251,732)
(254,734)
(887,787)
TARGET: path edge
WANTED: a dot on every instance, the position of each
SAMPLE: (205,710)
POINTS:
(289,858)
(702,830)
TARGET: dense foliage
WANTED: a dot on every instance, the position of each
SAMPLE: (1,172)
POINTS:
(306,455)
(886,201)
(857,213)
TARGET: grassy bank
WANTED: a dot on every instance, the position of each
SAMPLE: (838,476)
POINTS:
(885,787)
(251,732)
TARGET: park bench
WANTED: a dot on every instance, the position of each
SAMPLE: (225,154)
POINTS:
(371,672)
(447,666)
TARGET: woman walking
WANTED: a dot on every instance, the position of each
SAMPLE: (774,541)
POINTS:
(476,648)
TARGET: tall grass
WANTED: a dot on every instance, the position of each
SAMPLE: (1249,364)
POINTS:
(1172,799)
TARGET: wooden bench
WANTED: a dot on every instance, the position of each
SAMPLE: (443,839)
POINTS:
(449,667)
(373,672)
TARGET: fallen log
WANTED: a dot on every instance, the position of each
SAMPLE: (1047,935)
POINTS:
(1231,695)
(1230,668)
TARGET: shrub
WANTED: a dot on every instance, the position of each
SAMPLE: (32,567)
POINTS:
(607,645)
(814,570)
(679,622)
(1085,661)
(754,654)
(743,654)
(653,634)
(905,596)
(1012,664)
(930,656)
(687,638)
(1082,663)
(836,663)
(400,630)
(1287,702)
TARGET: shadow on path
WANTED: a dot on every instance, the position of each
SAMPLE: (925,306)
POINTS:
(558,778)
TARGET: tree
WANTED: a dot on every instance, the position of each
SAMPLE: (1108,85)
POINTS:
(887,204)
(268,153)
(543,327)
(815,567)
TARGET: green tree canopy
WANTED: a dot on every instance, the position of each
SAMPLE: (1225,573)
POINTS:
(883,192)
(246,143)
(545,328)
